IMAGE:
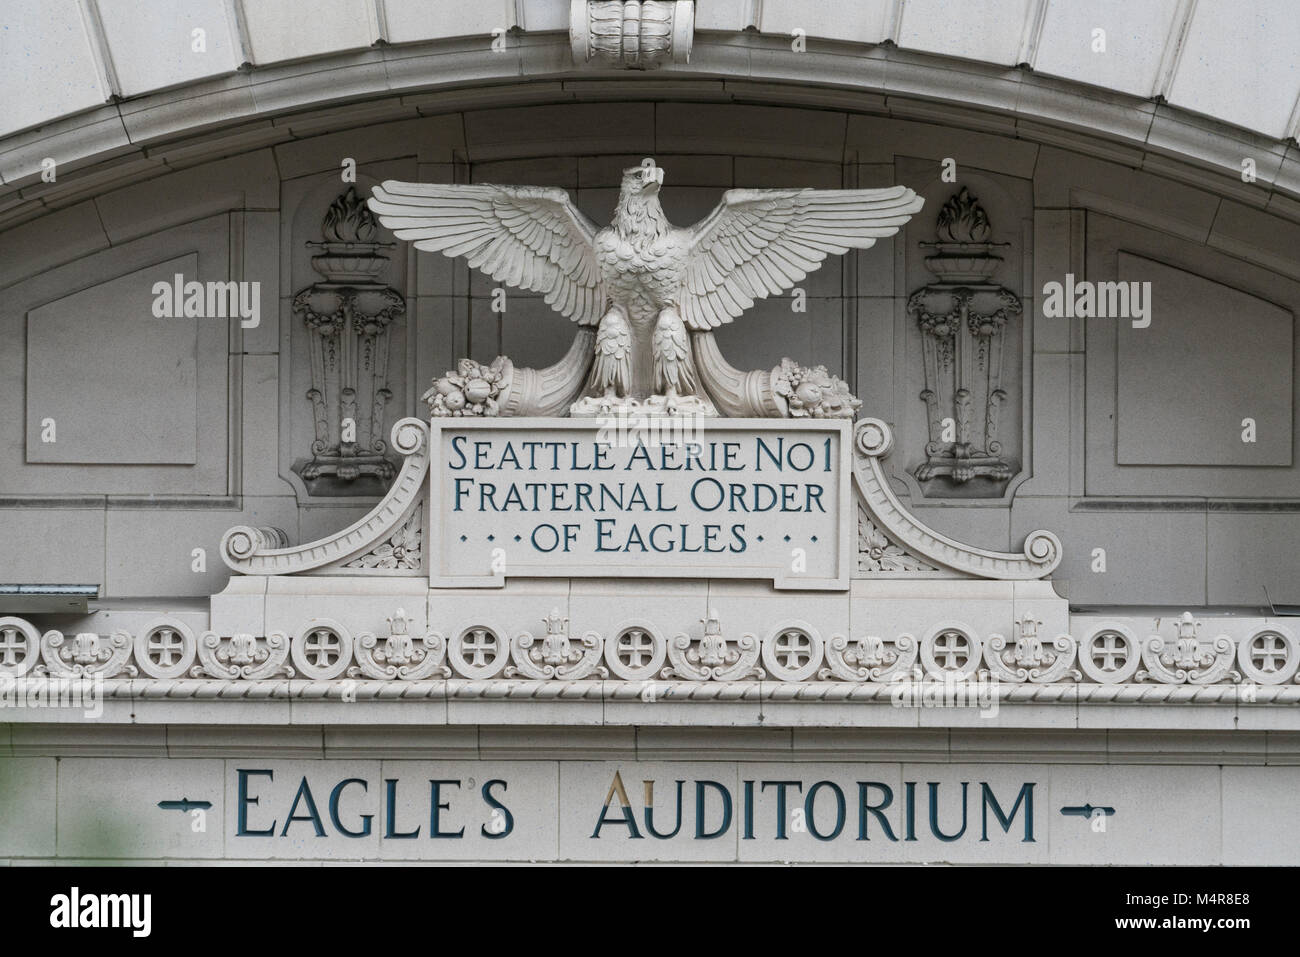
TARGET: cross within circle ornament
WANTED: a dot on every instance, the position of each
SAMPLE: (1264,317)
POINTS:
(793,651)
(322,649)
(952,649)
(20,646)
(479,652)
(1269,655)
(636,652)
(1110,654)
(1267,652)
(165,648)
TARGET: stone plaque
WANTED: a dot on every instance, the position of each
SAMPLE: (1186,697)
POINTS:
(648,497)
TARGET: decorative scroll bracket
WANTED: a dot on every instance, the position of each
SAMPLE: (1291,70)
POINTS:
(873,440)
(266,551)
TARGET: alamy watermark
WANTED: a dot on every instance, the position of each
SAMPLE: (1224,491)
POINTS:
(84,693)
(77,909)
(625,428)
(208,300)
(1085,299)
(949,690)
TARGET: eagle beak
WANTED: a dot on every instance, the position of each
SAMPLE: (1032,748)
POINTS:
(652,177)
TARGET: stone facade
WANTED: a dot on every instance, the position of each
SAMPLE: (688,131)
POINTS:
(1089,512)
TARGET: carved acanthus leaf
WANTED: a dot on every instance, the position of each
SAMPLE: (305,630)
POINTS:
(876,553)
(399,550)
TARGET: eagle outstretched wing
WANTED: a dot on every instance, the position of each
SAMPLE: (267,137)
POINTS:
(760,242)
(529,237)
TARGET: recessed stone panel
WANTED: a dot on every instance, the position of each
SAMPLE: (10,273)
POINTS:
(1211,359)
(200,250)
(1205,471)
(107,382)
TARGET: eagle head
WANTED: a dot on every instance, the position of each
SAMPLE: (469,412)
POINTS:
(643,180)
(638,211)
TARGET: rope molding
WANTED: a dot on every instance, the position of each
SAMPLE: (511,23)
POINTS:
(652,692)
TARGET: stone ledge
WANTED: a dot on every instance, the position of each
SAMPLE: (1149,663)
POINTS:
(646,742)
(349,691)
(677,707)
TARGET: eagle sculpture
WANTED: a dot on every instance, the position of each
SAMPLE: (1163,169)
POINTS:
(644,283)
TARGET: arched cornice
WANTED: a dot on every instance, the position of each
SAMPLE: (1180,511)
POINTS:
(148,135)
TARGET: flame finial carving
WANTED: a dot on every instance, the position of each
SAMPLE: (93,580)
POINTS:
(963,220)
(349,220)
